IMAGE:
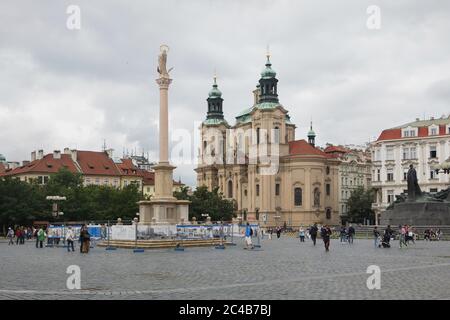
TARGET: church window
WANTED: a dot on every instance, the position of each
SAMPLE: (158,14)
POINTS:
(276,135)
(277,189)
(257,190)
(328,189)
(298,197)
(328,214)
(230,189)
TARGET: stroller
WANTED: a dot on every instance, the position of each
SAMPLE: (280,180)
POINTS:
(385,241)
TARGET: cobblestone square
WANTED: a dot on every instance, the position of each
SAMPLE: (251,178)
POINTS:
(282,269)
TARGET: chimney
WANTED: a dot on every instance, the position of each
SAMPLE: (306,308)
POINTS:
(432,118)
(56,154)
(25,162)
(40,154)
(417,119)
(66,151)
(33,156)
(74,155)
(110,152)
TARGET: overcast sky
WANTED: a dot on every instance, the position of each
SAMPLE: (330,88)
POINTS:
(73,88)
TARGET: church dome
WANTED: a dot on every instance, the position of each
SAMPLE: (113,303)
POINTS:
(268,72)
(2,158)
(215,92)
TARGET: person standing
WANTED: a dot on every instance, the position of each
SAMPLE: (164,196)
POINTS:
(10,236)
(376,235)
(301,234)
(278,232)
(343,234)
(313,233)
(41,237)
(270,233)
(248,236)
(86,240)
(351,234)
(70,237)
(325,232)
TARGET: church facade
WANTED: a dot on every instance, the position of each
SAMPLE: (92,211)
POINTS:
(273,178)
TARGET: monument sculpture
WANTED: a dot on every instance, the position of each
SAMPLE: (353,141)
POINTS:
(417,207)
(163,208)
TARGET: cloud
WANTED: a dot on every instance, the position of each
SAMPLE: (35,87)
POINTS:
(75,88)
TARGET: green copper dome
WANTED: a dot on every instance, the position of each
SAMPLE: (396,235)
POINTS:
(2,158)
(215,92)
(268,72)
(311,132)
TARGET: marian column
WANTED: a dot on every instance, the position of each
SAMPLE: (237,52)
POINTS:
(163,207)
(163,171)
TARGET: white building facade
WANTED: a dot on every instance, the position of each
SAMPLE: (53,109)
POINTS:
(423,143)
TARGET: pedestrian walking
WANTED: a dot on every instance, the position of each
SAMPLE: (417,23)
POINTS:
(270,233)
(41,237)
(313,233)
(70,237)
(402,234)
(301,234)
(351,233)
(278,232)
(376,236)
(325,232)
(10,236)
(248,236)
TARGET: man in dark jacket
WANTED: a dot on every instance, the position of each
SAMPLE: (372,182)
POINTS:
(325,232)
(351,233)
(313,232)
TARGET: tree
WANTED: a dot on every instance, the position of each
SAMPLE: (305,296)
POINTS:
(360,205)
(207,202)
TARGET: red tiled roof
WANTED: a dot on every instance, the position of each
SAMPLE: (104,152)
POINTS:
(148,177)
(390,134)
(301,147)
(127,168)
(48,164)
(396,133)
(331,149)
(97,163)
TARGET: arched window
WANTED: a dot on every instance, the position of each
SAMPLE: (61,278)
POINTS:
(257,135)
(328,213)
(328,170)
(230,189)
(298,197)
(276,135)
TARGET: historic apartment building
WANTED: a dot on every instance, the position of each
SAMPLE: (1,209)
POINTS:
(304,186)
(354,172)
(97,168)
(423,143)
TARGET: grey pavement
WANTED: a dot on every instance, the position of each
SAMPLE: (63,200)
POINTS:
(282,269)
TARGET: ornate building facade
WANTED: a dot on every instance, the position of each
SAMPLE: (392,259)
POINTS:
(272,177)
(423,143)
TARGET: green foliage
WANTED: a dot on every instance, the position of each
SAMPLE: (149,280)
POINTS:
(360,205)
(207,202)
(21,202)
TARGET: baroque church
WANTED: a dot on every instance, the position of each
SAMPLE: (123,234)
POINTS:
(273,178)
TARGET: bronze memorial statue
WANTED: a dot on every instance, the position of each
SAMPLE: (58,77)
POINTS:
(413,186)
(416,207)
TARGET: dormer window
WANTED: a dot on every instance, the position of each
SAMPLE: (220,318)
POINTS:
(409,132)
(433,130)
